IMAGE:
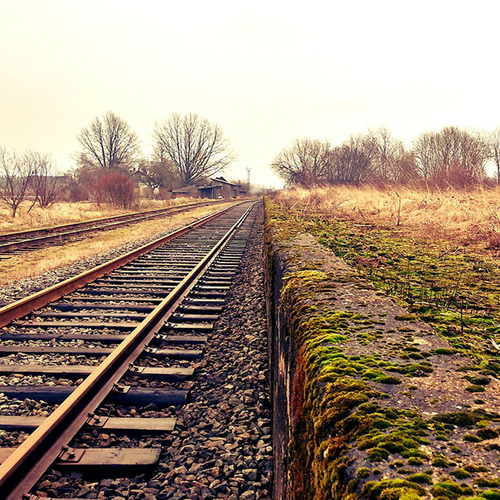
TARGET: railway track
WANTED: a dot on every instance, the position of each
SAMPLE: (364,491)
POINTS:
(34,239)
(113,340)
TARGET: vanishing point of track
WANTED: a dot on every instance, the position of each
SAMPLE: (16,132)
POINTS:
(155,302)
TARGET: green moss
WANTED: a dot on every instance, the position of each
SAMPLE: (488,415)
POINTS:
(381,377)
(405,317)
(414,453)
(475,388)
(478,380)
(397,463)
(440,462)
(487,482)
(459,418)
(391,489)
(420,478)
(450,489)
(476,468)
(405,471)
(413,369)
(363,472)
(460,473)
(488,433)
(490,494)
(377,454)
(471,438)
(415,461)
(396,442)
(415,355)
(444,351)
(441,436)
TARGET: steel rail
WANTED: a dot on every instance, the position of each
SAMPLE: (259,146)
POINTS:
(24,467)
(24,306)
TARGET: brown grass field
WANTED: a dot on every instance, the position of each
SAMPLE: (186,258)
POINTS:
(66,213)
(464,217)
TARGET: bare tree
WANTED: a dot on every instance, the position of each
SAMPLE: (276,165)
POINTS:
(352,163)
(405,168)
(156,174)
(195,146)
(391,162)
(44,184)
(453,156)
(305,163)
(494,143)
(113,187)
(424,153)
(470,162)
(108,143)
(16,173)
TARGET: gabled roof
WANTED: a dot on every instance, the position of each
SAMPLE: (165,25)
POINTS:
(221,179)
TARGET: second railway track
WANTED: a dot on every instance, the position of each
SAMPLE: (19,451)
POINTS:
(33,239)
(129,334)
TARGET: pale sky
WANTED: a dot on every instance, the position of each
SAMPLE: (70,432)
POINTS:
(267,72)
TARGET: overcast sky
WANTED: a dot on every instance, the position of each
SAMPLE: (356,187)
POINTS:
(267,72)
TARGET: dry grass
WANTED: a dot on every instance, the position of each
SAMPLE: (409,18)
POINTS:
(466,217)
(66,213)
(35,263)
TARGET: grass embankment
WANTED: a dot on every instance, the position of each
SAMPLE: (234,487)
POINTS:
(441,261)
(384,407)
(31,264)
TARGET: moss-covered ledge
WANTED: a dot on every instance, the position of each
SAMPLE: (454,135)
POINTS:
(369,402)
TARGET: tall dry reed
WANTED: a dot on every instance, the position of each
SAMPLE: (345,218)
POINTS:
(466,217)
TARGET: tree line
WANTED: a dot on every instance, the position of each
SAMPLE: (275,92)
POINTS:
(452,157)
(110,162)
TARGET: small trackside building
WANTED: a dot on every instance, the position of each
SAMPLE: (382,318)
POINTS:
(211,189)
(219,188)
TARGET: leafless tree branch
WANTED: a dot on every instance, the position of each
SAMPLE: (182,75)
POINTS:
(16,172)
(195,146)
(108,143)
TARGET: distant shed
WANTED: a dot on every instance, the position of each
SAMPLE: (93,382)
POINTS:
(215,188)
(219,188)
